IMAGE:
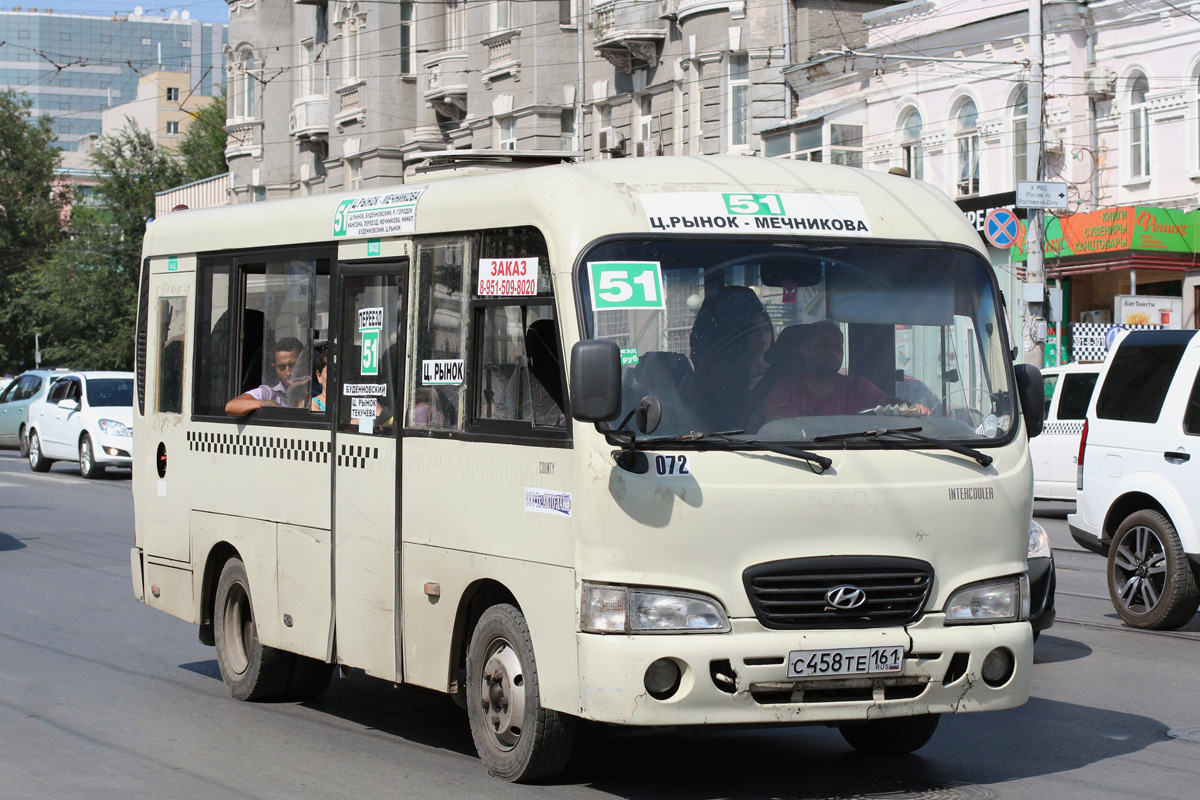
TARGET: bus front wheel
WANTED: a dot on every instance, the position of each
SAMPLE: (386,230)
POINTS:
(892,736)
(517,739)
(250,669)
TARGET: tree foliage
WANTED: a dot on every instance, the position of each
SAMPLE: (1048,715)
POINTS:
(203,146)
(31,209)
(84,296)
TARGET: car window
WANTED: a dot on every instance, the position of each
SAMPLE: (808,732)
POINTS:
(1075,394)
(58,391)
(110,392)
(10,392)
(1191,417)
(29,387)
(1048,384)
(1137,381)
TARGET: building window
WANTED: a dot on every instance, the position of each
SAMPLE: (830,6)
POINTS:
(739,100)
(456,24)
(172,94)
(566,13)
(351,22)
(801,144)
(312,68)
(507,133)
(242,96)
(645,123)
(1021,136)
(846,145)
(966,134)
(566,126)
(172,127)
(499,15)
(353,174)
(910,145)
(1139,127)
(406,23)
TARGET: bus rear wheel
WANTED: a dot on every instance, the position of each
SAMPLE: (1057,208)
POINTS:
(517,738)
(250,669)
(888,737)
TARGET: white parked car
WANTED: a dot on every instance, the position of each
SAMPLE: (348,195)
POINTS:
(85,417)
(1068,391)
(1138,497)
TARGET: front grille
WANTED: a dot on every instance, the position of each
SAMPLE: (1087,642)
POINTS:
(791,595)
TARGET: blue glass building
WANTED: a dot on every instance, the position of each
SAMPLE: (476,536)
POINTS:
(76,66)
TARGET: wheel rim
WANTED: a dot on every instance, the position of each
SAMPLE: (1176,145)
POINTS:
(1140,570)
(238,628)
(502,694)
(35,449)
(85,456)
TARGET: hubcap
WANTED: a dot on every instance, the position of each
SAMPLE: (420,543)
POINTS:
(1140,570)
(85,455)
(502,694)
(238,628)
(35,449)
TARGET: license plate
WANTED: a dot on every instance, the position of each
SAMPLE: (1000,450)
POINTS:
(848,661)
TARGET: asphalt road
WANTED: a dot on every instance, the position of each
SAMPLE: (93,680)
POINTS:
(102,697)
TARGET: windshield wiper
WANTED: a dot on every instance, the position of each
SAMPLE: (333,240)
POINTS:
(728,436)
(910,434)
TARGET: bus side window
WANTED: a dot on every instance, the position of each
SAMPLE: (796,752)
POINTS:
(439,379)
(520,366)
(172,334)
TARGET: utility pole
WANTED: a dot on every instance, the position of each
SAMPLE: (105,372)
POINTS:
(37,351)
(579,78)
(1032,336)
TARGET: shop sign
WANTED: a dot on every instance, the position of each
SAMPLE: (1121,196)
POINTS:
(1148,310)
(1110,230)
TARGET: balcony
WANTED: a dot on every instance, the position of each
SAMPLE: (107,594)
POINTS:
(310,118)
(628,32)
(447,91)
(502,57)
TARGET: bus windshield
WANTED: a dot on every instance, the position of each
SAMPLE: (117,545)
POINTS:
(794,342)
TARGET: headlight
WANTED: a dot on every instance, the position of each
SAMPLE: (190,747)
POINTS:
(1003,600)
(625,609)
(114,428)
(1039,542)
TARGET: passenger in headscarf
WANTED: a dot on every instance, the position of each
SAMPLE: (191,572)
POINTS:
(729,338)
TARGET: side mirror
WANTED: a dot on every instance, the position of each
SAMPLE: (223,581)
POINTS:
(1032,397)
(68,405)
(595,380)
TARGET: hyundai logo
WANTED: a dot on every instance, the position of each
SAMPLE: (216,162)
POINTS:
(845,597)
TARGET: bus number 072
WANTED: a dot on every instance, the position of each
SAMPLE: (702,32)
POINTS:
(671,465)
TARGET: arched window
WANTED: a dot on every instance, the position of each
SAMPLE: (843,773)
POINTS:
(244,86)
(1139,127)
(1021,136)
(350,21)
(910,144)
(966,134)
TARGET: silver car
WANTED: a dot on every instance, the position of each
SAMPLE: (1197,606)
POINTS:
(25,389)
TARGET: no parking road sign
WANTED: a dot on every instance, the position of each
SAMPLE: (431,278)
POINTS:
(1002,228)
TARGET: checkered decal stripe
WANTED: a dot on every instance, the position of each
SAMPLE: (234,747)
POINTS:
(1087,339)
(1072,427)
(274,447)
(357,456)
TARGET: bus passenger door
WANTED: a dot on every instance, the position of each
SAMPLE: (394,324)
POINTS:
(366,514)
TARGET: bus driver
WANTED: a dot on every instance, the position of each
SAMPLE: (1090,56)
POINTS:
(287,356)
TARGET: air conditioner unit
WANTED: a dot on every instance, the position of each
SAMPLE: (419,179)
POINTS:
(1096,316)
(610,141)
(1099,82)
(642,149)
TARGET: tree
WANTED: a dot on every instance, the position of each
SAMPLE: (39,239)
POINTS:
(31,209)
(203,146)
(84,297)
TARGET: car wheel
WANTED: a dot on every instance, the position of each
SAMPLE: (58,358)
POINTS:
(88,467)
(250,669)
(23,436)
(893,736)
(1149,578)
(517,739)
(37,461)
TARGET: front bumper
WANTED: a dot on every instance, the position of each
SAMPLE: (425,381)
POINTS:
(941,674)
(113,451)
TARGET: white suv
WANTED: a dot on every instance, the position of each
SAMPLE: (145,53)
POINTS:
(86,417)
(1138,490)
